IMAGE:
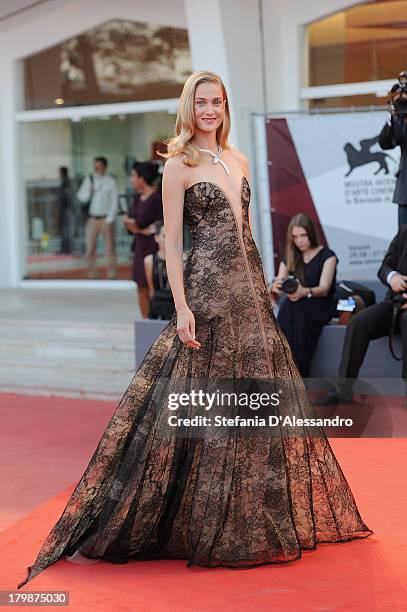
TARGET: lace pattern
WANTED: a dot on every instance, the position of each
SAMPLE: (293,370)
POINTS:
(233,501)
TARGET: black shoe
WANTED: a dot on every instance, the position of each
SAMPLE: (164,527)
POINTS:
(332,398)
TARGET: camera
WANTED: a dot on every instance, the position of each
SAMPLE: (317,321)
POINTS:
(290,284)
(398,96)
(399,300)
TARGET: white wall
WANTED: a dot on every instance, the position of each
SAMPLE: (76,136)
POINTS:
(45,147)
(285,44)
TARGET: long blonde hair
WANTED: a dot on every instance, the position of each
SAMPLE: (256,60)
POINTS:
(185,122)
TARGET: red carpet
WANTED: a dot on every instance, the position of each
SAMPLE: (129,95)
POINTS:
(364,575)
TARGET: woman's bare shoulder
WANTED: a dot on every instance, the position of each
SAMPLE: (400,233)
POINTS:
(238,154)
(175,163)
(175,170)
(241,158)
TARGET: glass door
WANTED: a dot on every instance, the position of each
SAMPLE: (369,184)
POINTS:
(57,156)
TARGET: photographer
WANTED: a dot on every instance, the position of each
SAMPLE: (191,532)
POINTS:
(307,276)
(161,305)
(393,134)
(375,321)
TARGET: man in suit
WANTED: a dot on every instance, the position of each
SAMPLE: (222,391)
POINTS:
(393,134)
(374,322)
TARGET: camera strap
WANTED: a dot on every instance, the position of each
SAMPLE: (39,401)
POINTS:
(393,331)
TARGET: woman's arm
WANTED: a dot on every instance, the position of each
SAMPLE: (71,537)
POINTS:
(325,282)
(326,278)
(278,281)
(246,172)
(174,182)
(173,209)
(133,227)
(148,269)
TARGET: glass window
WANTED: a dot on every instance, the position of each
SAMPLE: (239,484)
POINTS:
(118,61)
(360,100)
(364,43)
(56,157)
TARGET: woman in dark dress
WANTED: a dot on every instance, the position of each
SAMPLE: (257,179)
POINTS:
(161,305)
(146,209)
(304,313)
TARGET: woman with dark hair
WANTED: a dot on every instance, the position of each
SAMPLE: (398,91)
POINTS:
(161,305)
(146,209)
(304,312)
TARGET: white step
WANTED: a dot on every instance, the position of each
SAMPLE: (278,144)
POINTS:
(22,352)
(66,359)
(63,381)
(67,342)
(67,331)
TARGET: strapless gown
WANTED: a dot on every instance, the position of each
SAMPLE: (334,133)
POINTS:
(214,500)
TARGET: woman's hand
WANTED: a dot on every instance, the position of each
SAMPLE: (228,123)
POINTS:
(276,286)
(301,292)
(146,231)
(129,223)
(132,226)
(186,328)
(150,229)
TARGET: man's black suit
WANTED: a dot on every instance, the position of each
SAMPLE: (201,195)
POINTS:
(375,321)
(393,134)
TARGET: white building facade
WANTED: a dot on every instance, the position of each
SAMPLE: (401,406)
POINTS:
(261,49)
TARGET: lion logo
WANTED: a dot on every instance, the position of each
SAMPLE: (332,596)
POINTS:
(364,155)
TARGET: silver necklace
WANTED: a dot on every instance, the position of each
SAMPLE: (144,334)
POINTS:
(216,157)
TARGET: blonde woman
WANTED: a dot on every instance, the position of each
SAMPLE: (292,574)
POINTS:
(214,498)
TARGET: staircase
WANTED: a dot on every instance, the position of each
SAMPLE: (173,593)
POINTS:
(66,359)
(88,359)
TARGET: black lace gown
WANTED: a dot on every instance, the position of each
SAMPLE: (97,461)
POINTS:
(228,500)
